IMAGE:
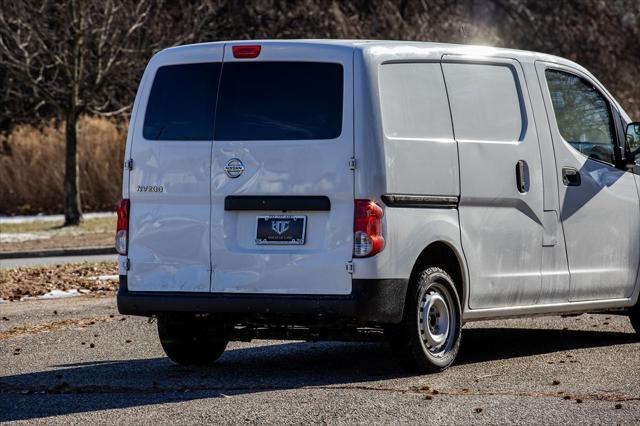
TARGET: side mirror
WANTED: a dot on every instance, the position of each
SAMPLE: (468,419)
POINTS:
(632,135)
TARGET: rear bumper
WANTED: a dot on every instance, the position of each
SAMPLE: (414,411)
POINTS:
(371,301)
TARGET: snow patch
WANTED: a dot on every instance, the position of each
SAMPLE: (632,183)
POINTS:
(54,294)
(105,278)
(17,237)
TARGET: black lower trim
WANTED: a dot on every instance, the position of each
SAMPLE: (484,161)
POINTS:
(371,301)
(420,201)
(277,202)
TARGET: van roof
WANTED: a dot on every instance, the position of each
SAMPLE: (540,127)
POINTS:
(464,49)
(390,49)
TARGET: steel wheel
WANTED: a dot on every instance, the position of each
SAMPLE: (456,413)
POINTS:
(428,338)
(435,321)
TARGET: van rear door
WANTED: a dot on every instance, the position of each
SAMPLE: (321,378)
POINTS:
(169,183)
(281,183)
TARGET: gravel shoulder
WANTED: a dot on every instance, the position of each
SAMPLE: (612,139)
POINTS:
(78,360)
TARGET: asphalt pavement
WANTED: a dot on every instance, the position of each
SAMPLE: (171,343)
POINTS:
(78,361)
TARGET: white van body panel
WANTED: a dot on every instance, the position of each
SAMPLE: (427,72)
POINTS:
(410,231)
(635,295)
(169,248)
(514,251)
(411,92)
(602,253)
(306,167)
(501,227)
(554,269)
(417,164)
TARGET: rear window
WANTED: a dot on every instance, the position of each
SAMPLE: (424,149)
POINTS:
(279,101)
(181,105)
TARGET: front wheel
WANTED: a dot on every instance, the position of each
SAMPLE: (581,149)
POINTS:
(428,338)
(635,318)
(189,341)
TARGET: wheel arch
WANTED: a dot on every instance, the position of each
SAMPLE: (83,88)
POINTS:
(447,257)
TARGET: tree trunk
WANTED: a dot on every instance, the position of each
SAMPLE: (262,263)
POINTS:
(72,210)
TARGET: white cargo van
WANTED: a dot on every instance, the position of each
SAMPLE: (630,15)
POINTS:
(344,189)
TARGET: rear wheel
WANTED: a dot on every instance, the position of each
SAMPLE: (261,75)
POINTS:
(428,338)
(189,341)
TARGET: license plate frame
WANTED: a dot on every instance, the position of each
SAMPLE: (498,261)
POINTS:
(274,230)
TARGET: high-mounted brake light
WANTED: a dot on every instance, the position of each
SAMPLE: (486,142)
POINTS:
(368,239)
(246,52)
(122,228)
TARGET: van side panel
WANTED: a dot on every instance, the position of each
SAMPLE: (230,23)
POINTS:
(369,151)
(501,203)
(408,232)
(635,295)
(421,164)
(421,154)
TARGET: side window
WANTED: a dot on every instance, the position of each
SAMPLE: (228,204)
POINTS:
(414,101)
(182,102)
(583,115)
(486,102)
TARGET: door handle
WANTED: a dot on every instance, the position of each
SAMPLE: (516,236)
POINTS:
(522,176)
(571,176)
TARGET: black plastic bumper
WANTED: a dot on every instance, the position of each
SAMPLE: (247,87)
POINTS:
(371,301)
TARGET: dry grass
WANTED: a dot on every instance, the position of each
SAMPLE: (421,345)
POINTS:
(16,283)
(97,224)
(95,232)
(62,241)
(32,166)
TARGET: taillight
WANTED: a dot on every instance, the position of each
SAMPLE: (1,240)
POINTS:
(246,52)
(367,230)
(122,229)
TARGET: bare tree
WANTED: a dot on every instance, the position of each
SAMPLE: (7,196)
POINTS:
(72,56)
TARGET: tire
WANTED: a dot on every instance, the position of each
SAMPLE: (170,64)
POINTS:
(429,342)
(634,316)
(189,341)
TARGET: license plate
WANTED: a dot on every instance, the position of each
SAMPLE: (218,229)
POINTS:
(281,229)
